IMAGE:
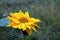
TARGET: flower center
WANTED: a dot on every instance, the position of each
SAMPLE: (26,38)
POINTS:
(23,20)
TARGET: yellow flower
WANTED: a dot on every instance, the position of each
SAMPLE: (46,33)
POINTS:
(23,21)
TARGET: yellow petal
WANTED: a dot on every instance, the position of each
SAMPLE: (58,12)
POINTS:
(31,19)
(11,24)
(15,15)
(8,25)
(34,20)
(37,20)
(13,20)
(29,31)
(19,26)
(37,26)
(27,14)
(34,28)
(15,26)
(21,13)
(28,26)
(29,23)
(23,26)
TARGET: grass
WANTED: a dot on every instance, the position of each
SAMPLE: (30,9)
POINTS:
(46,10)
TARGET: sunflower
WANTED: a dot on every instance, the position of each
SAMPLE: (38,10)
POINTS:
(23,21)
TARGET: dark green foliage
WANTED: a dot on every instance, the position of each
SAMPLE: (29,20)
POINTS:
(46,10)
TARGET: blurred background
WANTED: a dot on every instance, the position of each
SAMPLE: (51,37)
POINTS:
(46,10)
